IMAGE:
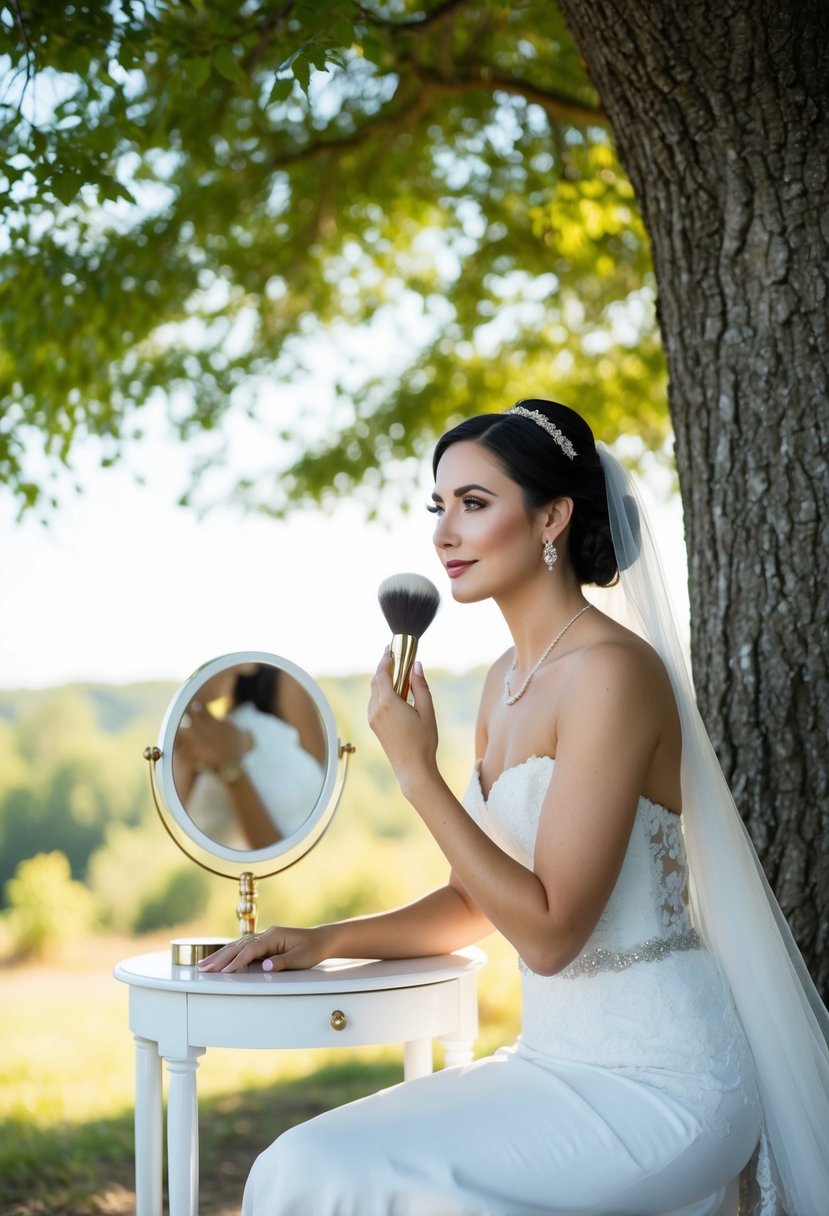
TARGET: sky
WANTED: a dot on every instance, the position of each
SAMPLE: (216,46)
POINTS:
(123,585)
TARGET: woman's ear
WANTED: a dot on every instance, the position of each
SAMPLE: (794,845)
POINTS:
(557,516)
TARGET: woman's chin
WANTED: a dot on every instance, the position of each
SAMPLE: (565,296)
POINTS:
(467,594)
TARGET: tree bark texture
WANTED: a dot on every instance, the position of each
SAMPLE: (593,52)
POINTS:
(720,112)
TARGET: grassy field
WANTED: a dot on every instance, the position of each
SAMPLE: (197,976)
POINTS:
(66,1086)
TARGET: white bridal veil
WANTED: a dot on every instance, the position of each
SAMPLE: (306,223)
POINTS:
(734,908)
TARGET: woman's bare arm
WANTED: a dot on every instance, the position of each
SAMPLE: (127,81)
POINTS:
(613,723)
(441,922)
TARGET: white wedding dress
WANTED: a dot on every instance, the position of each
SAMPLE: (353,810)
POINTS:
(630,1091)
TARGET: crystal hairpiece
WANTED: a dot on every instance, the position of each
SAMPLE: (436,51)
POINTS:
(550,427)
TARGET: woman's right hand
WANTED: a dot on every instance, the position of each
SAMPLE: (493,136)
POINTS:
(277,948)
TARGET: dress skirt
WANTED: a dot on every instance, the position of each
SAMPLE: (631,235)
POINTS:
(631,1091)
(515,1134)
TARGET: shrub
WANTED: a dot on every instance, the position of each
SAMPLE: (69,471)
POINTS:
(182,894)
(46,907)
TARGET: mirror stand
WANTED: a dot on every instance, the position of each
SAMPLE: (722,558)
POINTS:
(190,950)
(246,907)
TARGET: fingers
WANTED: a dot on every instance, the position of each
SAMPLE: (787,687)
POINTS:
(384,666)
(421,692)
(380,684)
(277,962)
(236,955)
(418,678)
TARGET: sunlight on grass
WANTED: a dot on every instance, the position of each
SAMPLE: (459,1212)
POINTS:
(68,1052)
(67,1085)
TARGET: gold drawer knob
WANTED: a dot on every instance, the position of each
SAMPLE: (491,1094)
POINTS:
(338,1020)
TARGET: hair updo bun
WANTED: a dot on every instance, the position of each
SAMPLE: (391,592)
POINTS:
(538,462)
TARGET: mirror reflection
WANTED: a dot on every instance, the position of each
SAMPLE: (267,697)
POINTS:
(249,756)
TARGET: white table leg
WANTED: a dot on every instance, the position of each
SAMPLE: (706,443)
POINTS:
(417,1059)
(148,1117)
(183,1134)
(457,1051)
(458,1044)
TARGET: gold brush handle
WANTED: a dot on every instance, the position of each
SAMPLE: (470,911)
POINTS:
(403,651)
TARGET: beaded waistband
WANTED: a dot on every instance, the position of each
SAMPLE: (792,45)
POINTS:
(592,962)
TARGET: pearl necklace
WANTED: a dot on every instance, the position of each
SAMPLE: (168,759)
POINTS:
(509,697)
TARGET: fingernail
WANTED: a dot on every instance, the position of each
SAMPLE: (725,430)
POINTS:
(267,964)
(418,667)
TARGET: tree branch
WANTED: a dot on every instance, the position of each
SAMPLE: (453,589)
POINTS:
(558,106)
(265,30)
(413,23)
(28,52)
(391,120)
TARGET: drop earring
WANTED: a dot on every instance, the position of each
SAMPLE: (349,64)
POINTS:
(550,554)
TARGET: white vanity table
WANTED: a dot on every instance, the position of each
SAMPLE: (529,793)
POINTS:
(176,1013)
(246,775)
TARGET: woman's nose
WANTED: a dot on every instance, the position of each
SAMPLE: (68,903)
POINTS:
(443,536)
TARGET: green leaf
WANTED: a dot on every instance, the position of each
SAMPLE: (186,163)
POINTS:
(196,70)
(65,186)
(111,189)
(316,56)
(227,65)
(341,33)
(282,89)
(302,70)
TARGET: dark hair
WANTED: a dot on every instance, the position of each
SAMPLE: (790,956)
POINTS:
(536,462)
(258,689)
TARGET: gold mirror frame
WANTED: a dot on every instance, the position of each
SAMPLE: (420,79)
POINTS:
(251,864)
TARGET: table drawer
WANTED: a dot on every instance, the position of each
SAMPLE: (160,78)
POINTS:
(392,1016)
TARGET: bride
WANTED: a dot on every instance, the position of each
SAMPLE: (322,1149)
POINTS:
(670,1035)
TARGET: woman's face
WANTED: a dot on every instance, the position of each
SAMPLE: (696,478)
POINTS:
(223,683)
(488,542)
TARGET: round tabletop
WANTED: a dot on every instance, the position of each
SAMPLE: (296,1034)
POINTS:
(157,970)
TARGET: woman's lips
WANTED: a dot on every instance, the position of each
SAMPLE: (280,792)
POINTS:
(455,569)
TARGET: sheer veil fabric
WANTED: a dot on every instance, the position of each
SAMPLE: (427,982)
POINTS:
(734,908)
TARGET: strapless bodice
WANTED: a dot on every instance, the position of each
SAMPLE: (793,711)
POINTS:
(650,898)
(644,997)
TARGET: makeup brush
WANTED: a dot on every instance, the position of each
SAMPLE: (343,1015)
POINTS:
(409,603)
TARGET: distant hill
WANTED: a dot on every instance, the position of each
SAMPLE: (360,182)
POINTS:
(116,707)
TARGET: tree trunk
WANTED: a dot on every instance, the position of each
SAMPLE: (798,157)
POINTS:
(719,110)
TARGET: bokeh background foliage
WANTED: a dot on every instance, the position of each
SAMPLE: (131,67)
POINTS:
(405,212)
(208,199)
(88,875)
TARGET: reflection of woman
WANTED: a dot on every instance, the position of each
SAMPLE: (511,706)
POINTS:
(249,777)
(663,1034)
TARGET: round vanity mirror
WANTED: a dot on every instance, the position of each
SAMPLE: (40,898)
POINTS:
(248,768)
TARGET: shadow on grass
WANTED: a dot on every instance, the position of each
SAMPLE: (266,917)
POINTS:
(86,1169)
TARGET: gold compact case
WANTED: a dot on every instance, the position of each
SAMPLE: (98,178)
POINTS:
(187,951)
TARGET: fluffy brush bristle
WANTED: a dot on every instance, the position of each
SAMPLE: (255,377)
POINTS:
(409,603)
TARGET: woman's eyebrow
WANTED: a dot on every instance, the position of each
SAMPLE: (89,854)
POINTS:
(461,490)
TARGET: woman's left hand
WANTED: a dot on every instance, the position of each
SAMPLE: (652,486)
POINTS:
(208,741)
(408,734)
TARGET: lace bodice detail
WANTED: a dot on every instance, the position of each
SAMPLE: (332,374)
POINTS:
(650,899)
(643,998)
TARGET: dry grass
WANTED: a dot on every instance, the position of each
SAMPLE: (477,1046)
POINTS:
(66,1086)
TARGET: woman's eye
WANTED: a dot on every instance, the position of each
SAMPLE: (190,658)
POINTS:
(474,504)
(434,508)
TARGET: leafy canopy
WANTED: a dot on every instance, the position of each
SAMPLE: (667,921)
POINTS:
(204,199)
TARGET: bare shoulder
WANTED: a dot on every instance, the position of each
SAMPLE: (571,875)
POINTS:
(494,680)
(616,663)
